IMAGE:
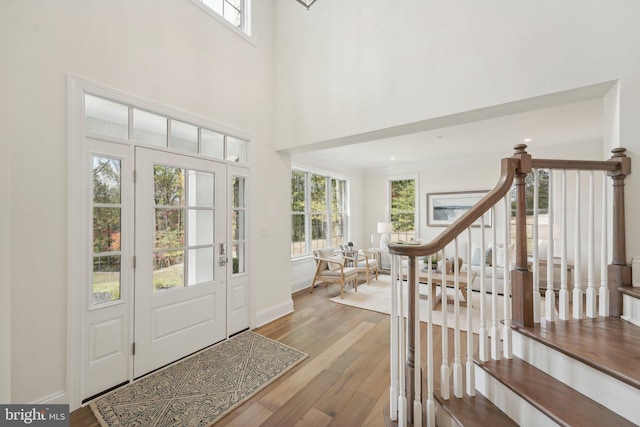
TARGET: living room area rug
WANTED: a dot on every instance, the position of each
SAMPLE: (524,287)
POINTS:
(377,297)
(200,389)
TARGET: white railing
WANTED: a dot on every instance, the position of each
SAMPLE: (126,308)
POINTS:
(492,326)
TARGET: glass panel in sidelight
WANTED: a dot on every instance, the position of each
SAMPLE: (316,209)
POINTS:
(106,180)
(106,279)
(168,270)
(238,258)
(238,190)
(237,225)
(106,229)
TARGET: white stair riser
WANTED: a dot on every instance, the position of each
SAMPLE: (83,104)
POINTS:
(631,309)
(604,389)
(510,403)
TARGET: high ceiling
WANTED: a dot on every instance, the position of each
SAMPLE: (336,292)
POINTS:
(548,129)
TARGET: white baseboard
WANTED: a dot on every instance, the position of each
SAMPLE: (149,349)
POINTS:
(275,312)
(58,398)
(300,285)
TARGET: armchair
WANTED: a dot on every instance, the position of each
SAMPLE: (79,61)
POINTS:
(330,268)
(367,263)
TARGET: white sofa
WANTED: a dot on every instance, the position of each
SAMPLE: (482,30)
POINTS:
(477,259)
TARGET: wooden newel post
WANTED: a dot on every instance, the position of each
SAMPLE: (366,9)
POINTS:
(619,272)
(411,338)
(521,277)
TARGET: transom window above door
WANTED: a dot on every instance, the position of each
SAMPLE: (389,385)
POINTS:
(110,118)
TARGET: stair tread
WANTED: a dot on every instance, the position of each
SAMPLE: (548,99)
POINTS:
(631,291)
(475,411)
(610,345)
(558,401)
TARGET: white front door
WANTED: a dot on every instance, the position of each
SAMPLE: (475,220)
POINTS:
(180,257)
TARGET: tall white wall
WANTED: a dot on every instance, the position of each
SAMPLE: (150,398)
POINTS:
(167,51)
(5,220)
(363,66)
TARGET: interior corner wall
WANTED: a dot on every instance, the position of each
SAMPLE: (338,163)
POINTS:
(341,76)
(168,52)
(5,219)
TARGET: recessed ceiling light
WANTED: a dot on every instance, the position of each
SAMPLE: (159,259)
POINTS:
(392,158)
(528,140)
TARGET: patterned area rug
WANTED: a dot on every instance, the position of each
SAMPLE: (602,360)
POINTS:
(199,390)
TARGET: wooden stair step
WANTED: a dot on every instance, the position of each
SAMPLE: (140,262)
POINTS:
(631,291)
(561,403)
(476,411)
(610,345)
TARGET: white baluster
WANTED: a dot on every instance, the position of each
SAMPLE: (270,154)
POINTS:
(417,401)
(604,242)
(431,407)
(402,353)
(445,372)
(577,276)
(535,265)
(550,295)
(495,321)
(393,390)
(591,285)
(483,332)
(563,305)
(507,346)
(471,373)
(457,358)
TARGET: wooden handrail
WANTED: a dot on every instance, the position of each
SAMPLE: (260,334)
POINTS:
(595,165)
(509,166)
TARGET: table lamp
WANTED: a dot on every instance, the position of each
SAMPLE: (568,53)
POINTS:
(385,228)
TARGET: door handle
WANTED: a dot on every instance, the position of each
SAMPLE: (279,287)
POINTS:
(222,261)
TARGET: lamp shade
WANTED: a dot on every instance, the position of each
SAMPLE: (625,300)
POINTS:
(385,227)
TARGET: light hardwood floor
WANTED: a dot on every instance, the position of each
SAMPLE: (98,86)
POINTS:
(343,382)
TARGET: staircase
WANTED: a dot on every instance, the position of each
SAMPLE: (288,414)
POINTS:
(576,365)
(574,373)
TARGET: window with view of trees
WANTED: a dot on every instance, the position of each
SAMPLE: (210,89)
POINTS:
(318,212)
(107,219)
(403,209)
(543,204)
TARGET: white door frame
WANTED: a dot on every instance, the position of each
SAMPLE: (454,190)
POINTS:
(79,229)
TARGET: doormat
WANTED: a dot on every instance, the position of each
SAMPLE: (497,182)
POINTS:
(201,389)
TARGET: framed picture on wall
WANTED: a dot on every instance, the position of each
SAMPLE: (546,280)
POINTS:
(444,208)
